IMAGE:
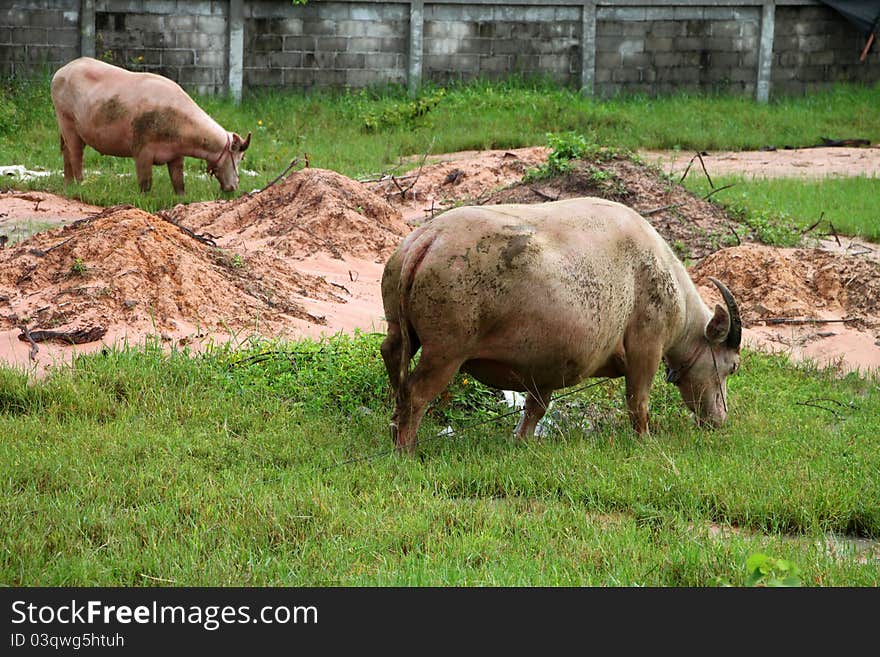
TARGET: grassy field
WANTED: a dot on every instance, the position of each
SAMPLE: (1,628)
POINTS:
(846,203)
(363,132)
(138,468)
(272,465)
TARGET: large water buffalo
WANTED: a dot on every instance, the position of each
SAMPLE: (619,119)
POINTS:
(538,297)
(140,115)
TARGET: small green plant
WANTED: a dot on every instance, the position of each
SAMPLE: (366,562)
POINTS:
(228,260)
(607,182)
(769,571)
(402,113)
(78,268)
(769,228)
(681,249)
(566,147)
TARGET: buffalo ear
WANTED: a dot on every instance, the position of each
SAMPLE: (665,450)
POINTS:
(239,145)
(719,326)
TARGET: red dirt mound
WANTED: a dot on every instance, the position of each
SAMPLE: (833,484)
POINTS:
(443,181)
(313,210)
(693,226)
(128,267)
(773,283)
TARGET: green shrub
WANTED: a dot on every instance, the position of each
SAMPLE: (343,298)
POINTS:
(402,113)
(566,147)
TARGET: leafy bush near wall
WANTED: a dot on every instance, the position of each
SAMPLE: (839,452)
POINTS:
(21,101)
(402,113)
(8,113)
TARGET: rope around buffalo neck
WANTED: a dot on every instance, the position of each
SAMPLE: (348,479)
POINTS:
(212,166)
(674,375)
(718,379)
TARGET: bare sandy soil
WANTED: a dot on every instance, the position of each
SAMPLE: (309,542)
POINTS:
(305,257)
(797,162)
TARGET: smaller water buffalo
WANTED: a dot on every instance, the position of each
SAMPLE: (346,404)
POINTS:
(140,115)
(538,297)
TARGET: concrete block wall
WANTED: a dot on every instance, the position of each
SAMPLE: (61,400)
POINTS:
(325,44)
(184,41)
(37,36)
(494,41)
(659,50)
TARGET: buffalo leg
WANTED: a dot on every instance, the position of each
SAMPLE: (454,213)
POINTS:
(428,379)
(143,166)
(639,377)
(72,151)
(391,355)
(175,171)
(535,408)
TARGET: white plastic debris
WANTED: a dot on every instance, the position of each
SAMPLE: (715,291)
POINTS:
(19,171)
(515,400)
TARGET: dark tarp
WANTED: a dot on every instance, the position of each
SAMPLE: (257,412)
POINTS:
(864,14)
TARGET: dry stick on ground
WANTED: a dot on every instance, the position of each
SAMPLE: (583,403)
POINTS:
(341,287)
(715,190)
(648,213)
(703,164)
(684,175)
(814,403)
(418,173)
(204,238)
(830,143)
(39,253)
(430,210)
(809,320)
(385,177)
(862,252)
(834,232)
(812,226)
(706,171)
(837,415)
(32,354)
(77,336)
(290,166)
(734,233)
(729,225)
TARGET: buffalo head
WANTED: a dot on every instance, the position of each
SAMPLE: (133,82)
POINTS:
(225,167)
(702,376)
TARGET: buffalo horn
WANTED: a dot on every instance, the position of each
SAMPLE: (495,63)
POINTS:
(734,336)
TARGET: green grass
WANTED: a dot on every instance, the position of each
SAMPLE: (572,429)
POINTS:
(363,132)
(135,467)
(847,203)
